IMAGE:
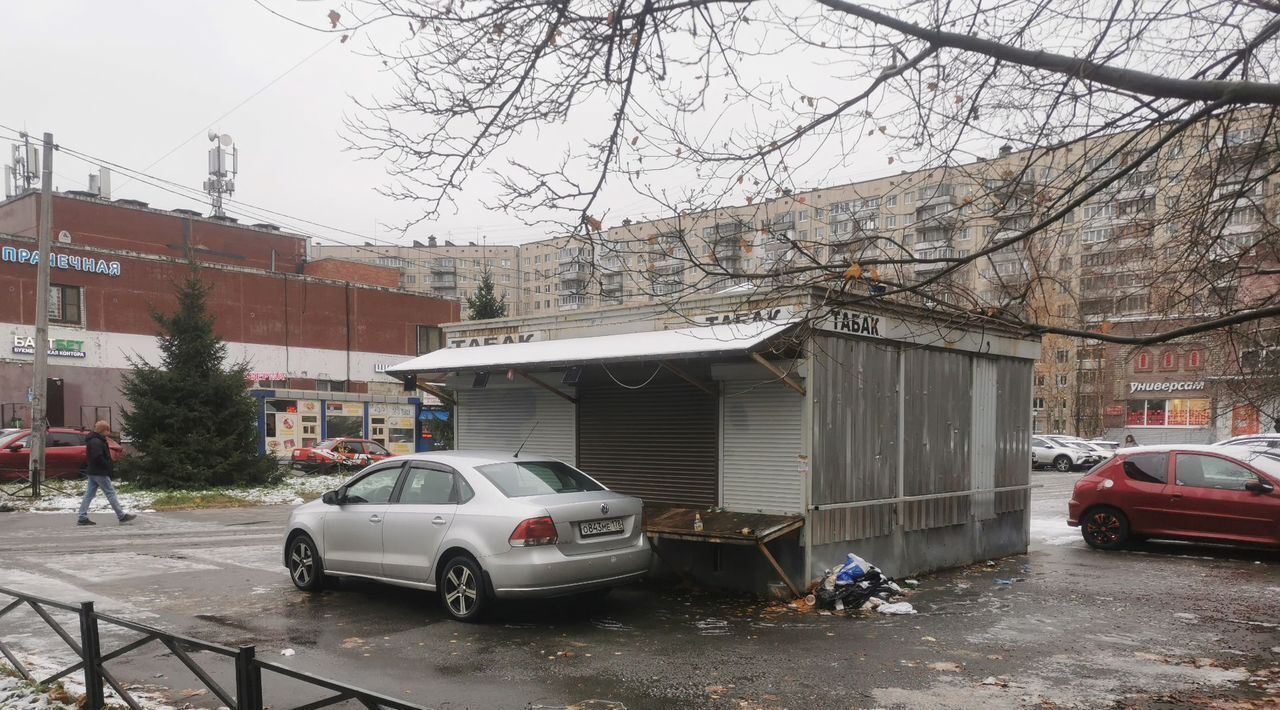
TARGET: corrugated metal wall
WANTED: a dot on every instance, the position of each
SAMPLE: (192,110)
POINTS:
(1013,433)
(658,442)
(762,443)
(855,436)
(983,457)
(499,418)
(965,425)
(937,429)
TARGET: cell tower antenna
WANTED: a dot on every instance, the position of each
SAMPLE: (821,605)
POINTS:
(224,163)
(24,167)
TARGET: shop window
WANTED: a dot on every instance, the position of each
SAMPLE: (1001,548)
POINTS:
(1170,412)
(64,305)
(430,339)
(1168,360)
(1143,362)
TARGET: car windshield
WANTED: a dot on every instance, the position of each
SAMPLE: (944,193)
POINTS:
(327,444)
(5,439)
(517,479)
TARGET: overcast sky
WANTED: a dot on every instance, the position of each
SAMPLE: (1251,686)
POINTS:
(130,82)
(138,83)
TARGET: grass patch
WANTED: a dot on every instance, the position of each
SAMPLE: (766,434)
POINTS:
(188,500)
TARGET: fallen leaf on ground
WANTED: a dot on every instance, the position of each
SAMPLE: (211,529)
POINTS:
(947,666)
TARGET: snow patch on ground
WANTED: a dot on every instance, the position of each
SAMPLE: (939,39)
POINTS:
(1054,531)
(293,490)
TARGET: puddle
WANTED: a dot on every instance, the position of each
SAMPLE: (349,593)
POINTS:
(610,625)
(712,627)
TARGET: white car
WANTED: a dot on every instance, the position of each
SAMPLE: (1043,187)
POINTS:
(1253,441)
(473,526)
(1060,455)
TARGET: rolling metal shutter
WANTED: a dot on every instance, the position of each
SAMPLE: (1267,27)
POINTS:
(657,442)
(762,444)
(499,418)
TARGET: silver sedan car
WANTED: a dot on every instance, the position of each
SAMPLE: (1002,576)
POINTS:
(474,526)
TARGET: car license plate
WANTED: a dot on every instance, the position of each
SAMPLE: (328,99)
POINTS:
(600,527)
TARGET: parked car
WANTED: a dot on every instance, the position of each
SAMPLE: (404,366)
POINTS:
(1110,447)
(1060,456)
(1266,441)
(1075,442)
(350,452)
(1209,493)
(65,455)
(474,527)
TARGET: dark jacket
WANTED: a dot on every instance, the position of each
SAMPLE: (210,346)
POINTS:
(99,455)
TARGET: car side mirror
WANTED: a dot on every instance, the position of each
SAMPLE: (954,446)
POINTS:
(332,498)
(1259,487)
(14,447)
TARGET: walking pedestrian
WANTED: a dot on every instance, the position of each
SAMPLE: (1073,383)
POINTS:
(1130,441)
(99,469)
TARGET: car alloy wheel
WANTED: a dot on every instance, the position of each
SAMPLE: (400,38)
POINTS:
(304,564)
(1105,529)
(1062,463)
(461,590)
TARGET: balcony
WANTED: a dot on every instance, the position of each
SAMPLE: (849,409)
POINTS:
(569,254)
(927,270)
(444,266)
(932,245)
(947,200)
(574,302)
(1141,192)
(443,282)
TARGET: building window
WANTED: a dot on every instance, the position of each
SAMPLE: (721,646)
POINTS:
(410,279)
(64,305)
(1064,356)
(1144,362)
(804,215)
(891,222)
(1193,360)
(1037,403)
(1062,380)
(331,386)
(1168,413)
(1168,360)
(1039,380)
(891,201)
(430,339)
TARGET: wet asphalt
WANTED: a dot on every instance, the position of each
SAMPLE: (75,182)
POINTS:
(1162,625)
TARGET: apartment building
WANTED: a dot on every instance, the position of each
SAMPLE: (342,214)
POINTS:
(443,269)
(1158,246)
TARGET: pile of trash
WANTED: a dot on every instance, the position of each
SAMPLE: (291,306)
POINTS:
(858,584)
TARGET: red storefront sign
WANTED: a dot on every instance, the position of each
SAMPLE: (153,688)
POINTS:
(1115,410)
(1245,420)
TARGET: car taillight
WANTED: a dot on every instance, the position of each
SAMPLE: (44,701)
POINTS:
(534,531)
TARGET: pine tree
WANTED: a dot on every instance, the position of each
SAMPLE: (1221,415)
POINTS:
(192,421)
(485,304)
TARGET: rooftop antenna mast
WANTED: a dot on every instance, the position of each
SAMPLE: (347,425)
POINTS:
(224,163)
(24,167)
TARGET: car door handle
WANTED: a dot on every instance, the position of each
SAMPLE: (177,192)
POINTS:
(375,518)
(438,520)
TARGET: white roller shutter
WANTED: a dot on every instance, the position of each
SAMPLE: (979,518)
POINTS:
(499,418)
(761,447)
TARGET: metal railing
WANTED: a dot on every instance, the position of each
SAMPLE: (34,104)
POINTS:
(248,692)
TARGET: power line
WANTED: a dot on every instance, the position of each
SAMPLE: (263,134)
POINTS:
(235,108)
(254,212)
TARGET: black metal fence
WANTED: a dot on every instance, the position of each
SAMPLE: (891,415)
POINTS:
(249,670)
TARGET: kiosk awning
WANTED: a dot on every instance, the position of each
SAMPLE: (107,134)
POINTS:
(727,339)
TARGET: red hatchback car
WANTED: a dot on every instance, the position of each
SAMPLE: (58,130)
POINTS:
(1221,494)
(65,455)
(349,451)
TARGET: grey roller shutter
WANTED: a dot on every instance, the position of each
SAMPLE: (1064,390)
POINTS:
(657,442)
(762,444)
(498,418)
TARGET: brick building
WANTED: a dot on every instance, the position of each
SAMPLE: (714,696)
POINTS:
(317,340)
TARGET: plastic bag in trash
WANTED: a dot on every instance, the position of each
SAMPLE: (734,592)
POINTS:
(852,570)
(896,608)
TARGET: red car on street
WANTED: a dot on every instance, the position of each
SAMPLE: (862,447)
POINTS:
(1223,494)
(65,455)
(347,452)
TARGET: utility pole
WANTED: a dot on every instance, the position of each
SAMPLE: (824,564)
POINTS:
(39,422)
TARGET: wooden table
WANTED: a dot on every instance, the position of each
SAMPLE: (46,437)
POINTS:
(724,528)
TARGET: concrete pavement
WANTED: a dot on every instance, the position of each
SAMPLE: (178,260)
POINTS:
(1164,623)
